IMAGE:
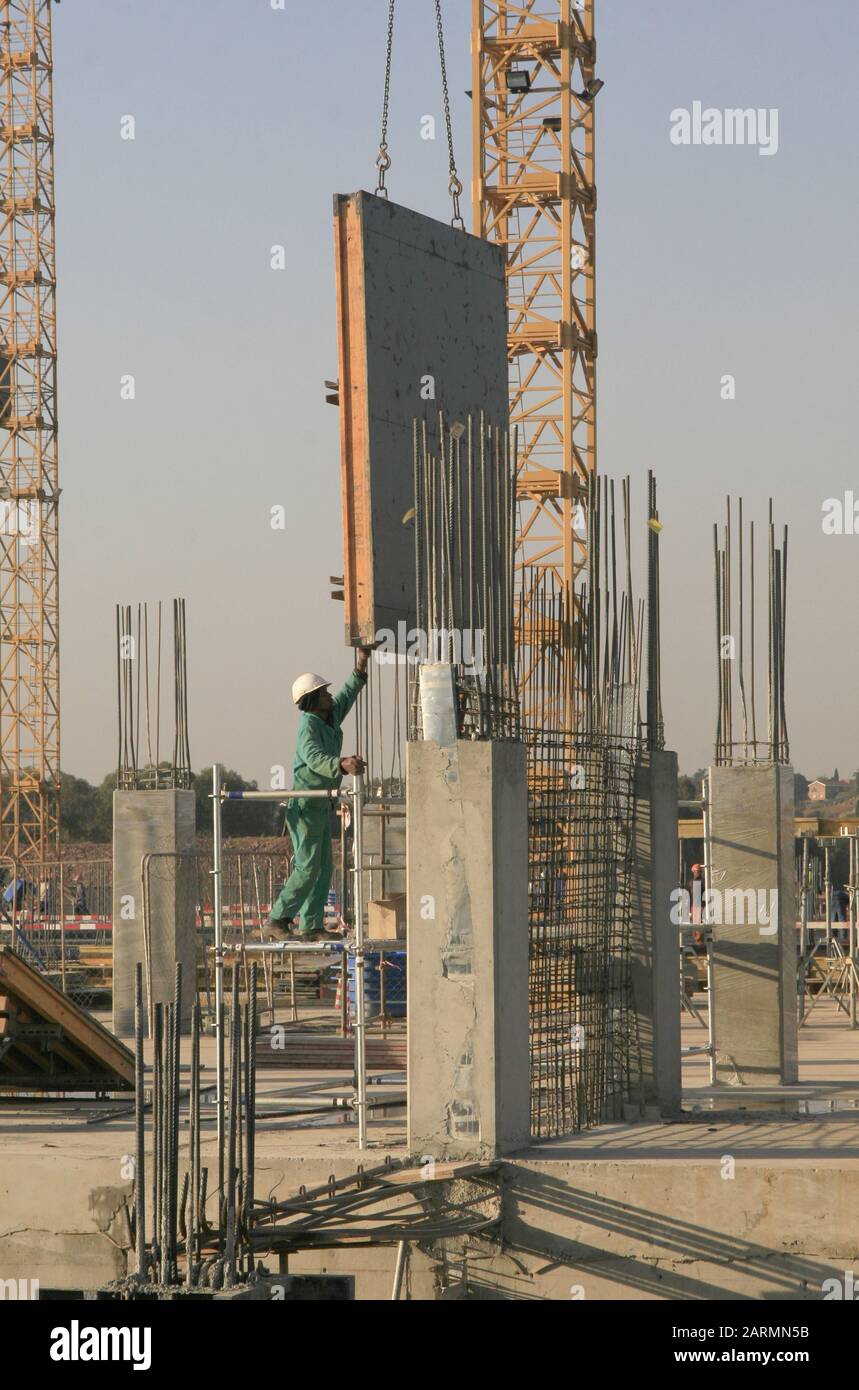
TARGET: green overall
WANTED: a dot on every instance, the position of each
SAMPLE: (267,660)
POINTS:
(316,767)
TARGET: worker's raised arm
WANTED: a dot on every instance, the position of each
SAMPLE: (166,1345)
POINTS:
(354,684)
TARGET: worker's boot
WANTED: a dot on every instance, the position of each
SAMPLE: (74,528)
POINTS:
(278,931)
(319,934)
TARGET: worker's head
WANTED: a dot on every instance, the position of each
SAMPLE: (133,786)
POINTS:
(319,702)
(311,694)
(696,870)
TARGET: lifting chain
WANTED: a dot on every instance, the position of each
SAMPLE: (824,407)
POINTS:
(454,186)
(383,159)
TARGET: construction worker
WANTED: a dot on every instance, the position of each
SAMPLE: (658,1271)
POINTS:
(318,766)
(696,893)
(697,888)
(80,907)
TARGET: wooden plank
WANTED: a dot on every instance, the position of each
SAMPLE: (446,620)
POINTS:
(74,1081)
(33,1054)
(354,424)
(85,1033)
(440,1172)
(11,1062)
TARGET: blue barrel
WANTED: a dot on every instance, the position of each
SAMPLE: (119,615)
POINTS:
(395,984)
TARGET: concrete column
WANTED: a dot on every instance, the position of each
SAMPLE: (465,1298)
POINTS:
(754,936)
(467,884)
(654,939)
(153,822)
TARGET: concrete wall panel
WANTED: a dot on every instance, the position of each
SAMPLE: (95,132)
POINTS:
(468,949)
(417,299)
(754,961)
(152,822)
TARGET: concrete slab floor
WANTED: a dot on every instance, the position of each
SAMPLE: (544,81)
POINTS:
(625,1211)
(28,1127)
(817,1118)
(828,1071)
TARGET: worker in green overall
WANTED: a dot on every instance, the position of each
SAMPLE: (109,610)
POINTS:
(318,766)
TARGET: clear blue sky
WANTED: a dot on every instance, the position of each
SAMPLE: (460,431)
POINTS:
(711,261)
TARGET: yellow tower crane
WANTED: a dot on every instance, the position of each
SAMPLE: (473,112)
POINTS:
(534,90)
(29,485)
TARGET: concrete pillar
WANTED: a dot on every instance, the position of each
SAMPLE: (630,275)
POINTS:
(153,822)
(654,939)
(467,884)
(754,936)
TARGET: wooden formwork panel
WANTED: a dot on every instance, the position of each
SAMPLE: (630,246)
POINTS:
(422,324)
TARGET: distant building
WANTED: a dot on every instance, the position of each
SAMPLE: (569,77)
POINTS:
(827,789)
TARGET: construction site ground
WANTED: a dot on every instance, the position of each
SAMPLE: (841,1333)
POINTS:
(729,1200)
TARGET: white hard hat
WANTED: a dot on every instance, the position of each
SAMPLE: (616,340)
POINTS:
(306,684)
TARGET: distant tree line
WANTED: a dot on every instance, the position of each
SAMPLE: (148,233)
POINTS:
(689,787)
(86,810)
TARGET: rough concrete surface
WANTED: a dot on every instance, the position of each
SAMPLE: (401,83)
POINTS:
(654,948)
(643,1210)
(157,823)
(468,949)
(754,961)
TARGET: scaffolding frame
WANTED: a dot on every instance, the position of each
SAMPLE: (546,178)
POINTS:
(355,798)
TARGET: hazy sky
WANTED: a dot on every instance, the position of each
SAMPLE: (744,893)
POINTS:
(711,260)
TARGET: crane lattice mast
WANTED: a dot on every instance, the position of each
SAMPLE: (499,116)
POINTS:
(29,484)
(533,101)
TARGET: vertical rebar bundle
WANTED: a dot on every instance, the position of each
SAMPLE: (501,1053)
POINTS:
(138,686)
(184,1247)
(584,660)
(582,657)
(464,545)
(737,656)
(654,721)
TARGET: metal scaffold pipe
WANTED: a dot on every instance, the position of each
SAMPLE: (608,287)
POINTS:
(360,1011)
(217,890)
(355,797)
(139,1148)
(225,795)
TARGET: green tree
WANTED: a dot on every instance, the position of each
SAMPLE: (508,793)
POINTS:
(86,811)
(689,788)
(253,818)
(104,817)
